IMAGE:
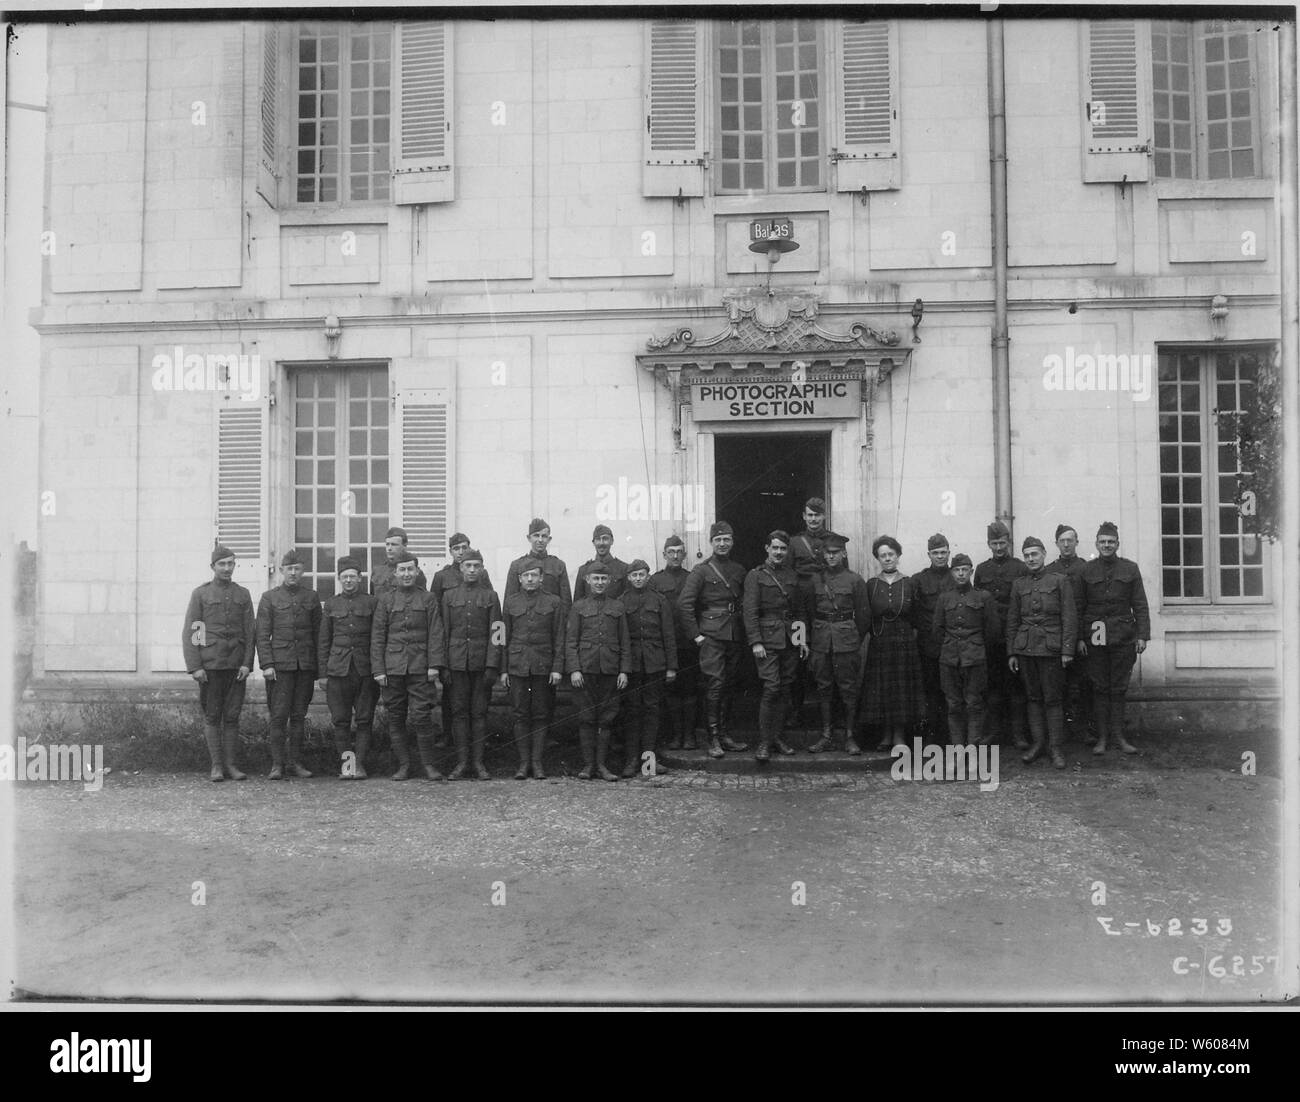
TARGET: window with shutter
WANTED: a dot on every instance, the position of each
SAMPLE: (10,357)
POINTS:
(1117,101)
(423,456)
(268,162)
(674,156)
(241,479)
(867,147)
(423,171)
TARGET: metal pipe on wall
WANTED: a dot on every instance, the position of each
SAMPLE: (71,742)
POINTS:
(1001,337)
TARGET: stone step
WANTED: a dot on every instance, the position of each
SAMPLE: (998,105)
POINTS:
(742,761)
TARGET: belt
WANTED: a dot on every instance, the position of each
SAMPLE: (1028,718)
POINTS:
(838,618)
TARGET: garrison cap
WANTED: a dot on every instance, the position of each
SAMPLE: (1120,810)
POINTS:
(815,505)
(961,559)
(636,564)
(1032,541)
(396,532)
(406,556)
(472,556)
(1107,528)
(293,557)
(720,528)
(998,531)
(221,551)
(457,538)
(602,530)
(673,541)
(348,562)
(531,566)
(1061,528)
(597,567)
(537,525)
(936,541)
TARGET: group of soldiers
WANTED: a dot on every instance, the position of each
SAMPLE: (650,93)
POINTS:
(640,649)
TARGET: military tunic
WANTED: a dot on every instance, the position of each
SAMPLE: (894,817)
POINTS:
(598,644)
(1006,695)
(710,605)
(1077,684)
(681,693)
(841,618)
(219,637)
(775,607)
(534,627)
(1115,612)
(1041,626)
(652,632)
(469,613)
(406,642)
(930,582)
(288,627)
(965,623)
(383,579)
(343,658)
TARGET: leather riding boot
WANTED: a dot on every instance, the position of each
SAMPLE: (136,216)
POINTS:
(1117,725)
(363,744)
(229,744)
(825,742)
(1101,720)
(783,711)
(1037,730)
(602,751)
(724,722)
(711,713)
(397,736)
(956,728)
(1056,734)
(212,736)
(539,747)
(296,733)
(460,736)
(762,754)
(424,749)
(276,740)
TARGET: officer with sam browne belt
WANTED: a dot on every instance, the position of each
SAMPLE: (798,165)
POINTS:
(776,624)
(841,618)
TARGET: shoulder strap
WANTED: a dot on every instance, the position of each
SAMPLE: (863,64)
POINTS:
(772,574)
(714,567)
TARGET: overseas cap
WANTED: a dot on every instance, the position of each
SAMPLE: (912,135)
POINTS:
(221,551)
(1107,528)
(457,538)
(815,505)
(998,531)
(1060,528)
(936,541)
(396,532)
(293,557)
(720,528)
(348,562)
(961,559)
(602,530)
(1032,541)
(673,541)
(636,564)
(537,525)
(472,556)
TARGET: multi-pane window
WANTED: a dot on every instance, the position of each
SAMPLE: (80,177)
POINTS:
(343,95)
(1204,83)
(769,102)
(1208,549)
(341,479)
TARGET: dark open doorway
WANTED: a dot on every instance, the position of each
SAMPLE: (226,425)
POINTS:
(762,481)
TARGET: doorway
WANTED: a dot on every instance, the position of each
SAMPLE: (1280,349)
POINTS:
(762,481)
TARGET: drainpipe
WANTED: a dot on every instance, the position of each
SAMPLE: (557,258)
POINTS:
(1289,480)
(1001,338)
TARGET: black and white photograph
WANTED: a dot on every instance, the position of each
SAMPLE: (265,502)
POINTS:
(668,507)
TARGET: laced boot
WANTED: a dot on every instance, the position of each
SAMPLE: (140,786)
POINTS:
(397,735)
(632,750)
(1117,725)
(363,744)
(460,736)
(825,742)
(587,741)
(1056,735)
(1018,710)
(523,744)
(539,745)
(277,755)
(1037,730)
(229,744)
(212,736)
(424,748)
(1101,720)
(724,722)
(479,745)
(295,749)
(602,750)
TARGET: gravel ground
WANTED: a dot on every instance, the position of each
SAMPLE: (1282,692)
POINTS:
(688,887)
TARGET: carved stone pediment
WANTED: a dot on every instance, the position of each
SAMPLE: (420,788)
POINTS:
(759,322)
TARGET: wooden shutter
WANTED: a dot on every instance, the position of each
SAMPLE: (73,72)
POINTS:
(1117,128)
(674,124)
(268,146)
(867,142)
(424,446)
(241,491)
(423,170)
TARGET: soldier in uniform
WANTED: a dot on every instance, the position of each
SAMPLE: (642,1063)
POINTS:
(602,539)
(218,645)
(1041,626)
(598,650)
(965,624)
(471,615)
(841,617)
(384,576)
(653,636)
(405,650)
(1078,688)
(808,557)
(555,575)
(710,614)
(1116,629)
(534,661)
(776,625)
(449,577)
(288,626)
(930,582)
(1006,699)
(681,693)
(343,661)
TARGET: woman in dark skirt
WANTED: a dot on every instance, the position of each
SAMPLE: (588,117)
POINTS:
(892,697)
